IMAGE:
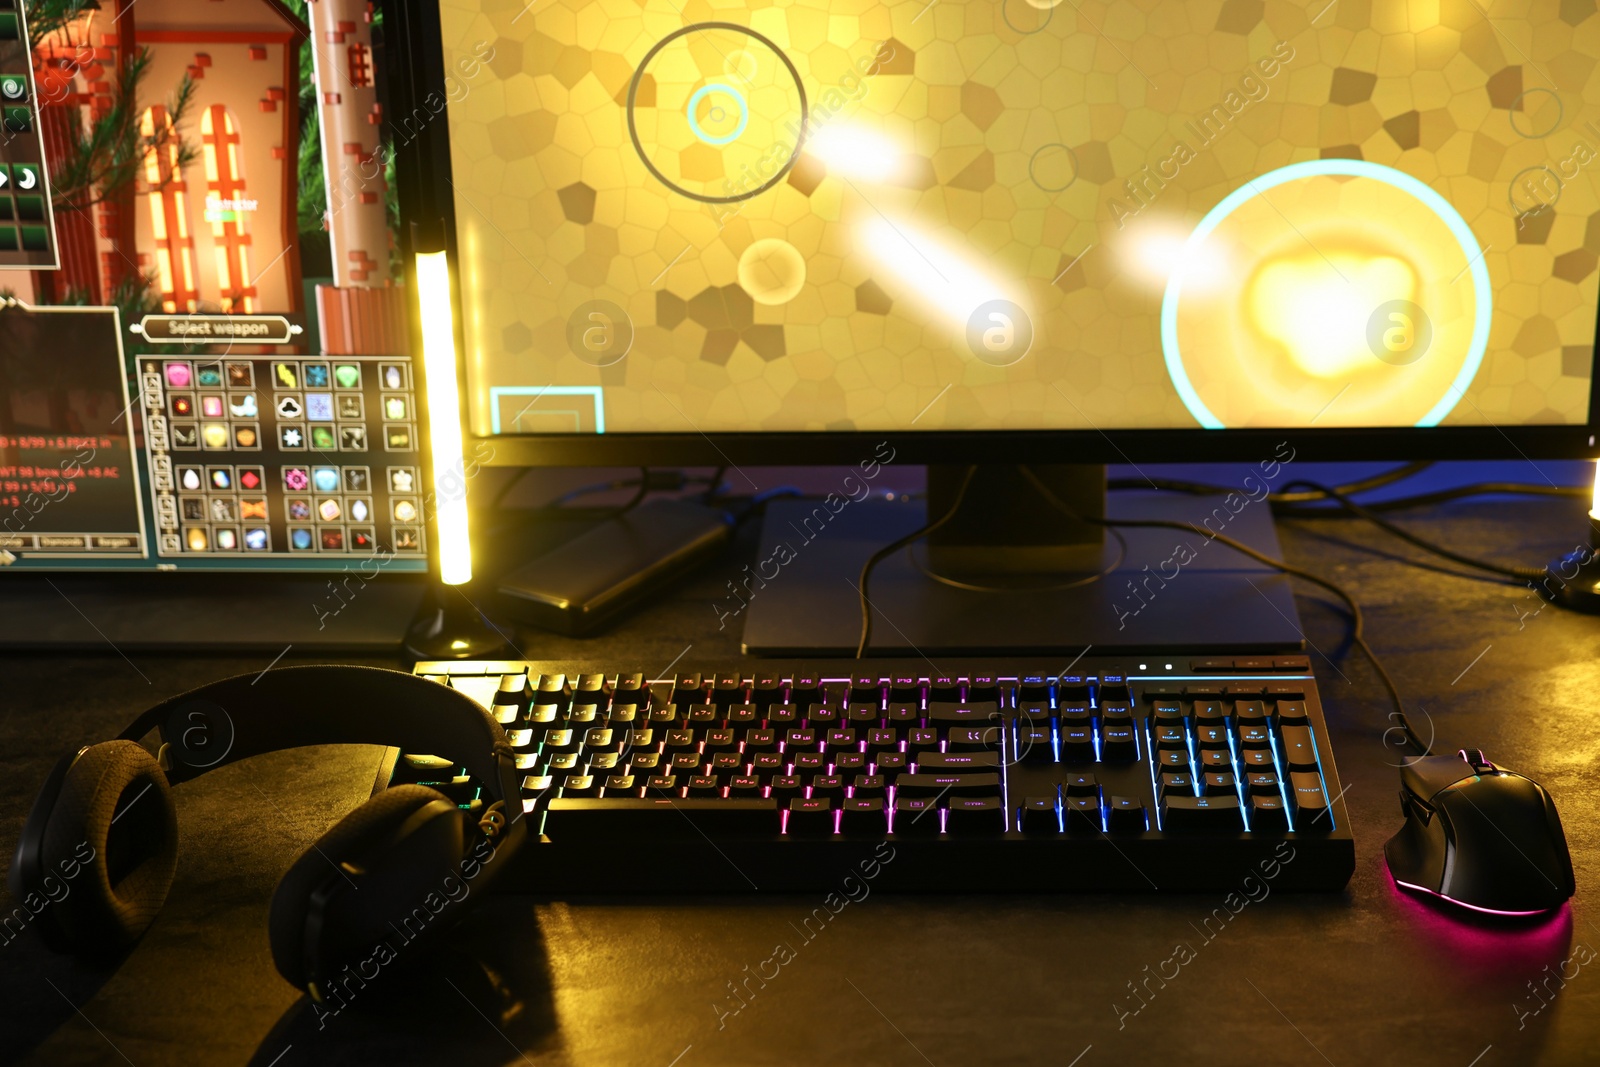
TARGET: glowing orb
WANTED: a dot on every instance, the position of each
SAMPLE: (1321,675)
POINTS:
(1359,297)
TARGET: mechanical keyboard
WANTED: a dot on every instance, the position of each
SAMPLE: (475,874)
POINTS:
(1187,773)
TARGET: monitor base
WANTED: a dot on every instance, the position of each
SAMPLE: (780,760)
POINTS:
(1169,591)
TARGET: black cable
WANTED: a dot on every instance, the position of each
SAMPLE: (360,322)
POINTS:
(715,488)
(894,546)
(1519,573)
(1440,496)
(1358,624)
(1361,485)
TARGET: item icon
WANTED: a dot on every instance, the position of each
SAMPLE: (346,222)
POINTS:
(287,375)
(296,479)
(326,479)
(289,407)
(256,539)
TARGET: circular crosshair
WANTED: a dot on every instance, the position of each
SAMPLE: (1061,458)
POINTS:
(633,128)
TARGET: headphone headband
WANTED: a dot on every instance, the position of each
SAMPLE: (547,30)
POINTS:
(288,707)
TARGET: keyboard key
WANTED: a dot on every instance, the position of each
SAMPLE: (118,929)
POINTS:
(842,739)
(808,762)
(1177,784)
(1081,785)
(1253,735)
(958,761)
(810,818)
(1172,760)
(921,742)
(822,717)
(1267,814)
(1216,814)
(1169,735)
(863,815)
(621,785)
(1299,751)
(903,715)
(1082,815)
(1262,783)
(1035,744)
(863,716)
(891,765)
(1311,812)
(883,741)
(1077,744)
(1038,816)
(580,785)
(1220,784)
(970,738)
(850,763)
(916,816)
(828,785)
(868,785)
(1125,815)
(656,816)
(1117,744)
(1257,759)
(976,816)
(786,787)
(704,785)
(1290,711)
(744,785)
(946,784)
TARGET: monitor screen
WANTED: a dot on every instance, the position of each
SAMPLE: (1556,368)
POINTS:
(838,215)
(205,358)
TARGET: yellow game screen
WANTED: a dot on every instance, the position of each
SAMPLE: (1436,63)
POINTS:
(826,215)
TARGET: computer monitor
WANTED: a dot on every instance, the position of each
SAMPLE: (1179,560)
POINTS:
(1011,228)
(205,353)
(1011,231)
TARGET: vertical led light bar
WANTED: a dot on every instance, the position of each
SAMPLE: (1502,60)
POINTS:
(444,416)
(1594,503)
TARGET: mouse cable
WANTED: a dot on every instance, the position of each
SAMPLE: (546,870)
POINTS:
(1357,620)
(896,545)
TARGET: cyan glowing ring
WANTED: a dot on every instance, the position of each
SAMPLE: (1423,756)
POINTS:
(1352,168)
(694,123)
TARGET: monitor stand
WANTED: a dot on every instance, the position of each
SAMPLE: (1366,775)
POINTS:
(1011,574)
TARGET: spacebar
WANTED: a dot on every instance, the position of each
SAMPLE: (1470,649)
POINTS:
(627,817)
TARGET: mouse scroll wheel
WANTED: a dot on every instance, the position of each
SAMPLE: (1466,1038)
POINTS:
(1476,758)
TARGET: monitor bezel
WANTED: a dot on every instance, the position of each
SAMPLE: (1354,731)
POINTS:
(413,42)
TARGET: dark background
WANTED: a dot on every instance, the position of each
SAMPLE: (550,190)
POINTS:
(1363,976)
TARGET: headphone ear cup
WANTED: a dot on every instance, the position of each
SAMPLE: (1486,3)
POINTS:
(110,849)
(351,840)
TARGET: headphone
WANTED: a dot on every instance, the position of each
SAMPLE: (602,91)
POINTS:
(100,846)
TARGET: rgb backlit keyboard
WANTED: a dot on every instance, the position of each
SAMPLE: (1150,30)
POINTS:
(1183,774)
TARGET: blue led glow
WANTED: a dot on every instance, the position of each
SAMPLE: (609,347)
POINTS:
(700,94)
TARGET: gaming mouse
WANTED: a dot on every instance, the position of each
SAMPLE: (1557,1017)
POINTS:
(1479,836)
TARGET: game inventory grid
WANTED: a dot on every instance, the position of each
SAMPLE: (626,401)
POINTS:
(27,224)
(290,457)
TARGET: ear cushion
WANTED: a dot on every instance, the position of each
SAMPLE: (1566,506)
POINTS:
(347,841)
(114,801)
